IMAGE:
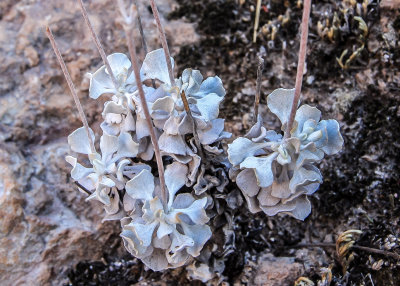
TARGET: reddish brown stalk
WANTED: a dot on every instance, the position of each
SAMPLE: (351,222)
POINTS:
(364,248)
(300,65)
(154,141)
(139,19)
(164,44)
(98,44)
(163,39)
(144,44)
(71,86)
(258,87)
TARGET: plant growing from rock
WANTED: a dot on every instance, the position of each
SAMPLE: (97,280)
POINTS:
(153,121)
(276,173)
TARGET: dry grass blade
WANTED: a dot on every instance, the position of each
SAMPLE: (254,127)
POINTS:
(258,87)
(71,86)
(257,20)
(163,40)
(300,65)
(97,42)
(149,122)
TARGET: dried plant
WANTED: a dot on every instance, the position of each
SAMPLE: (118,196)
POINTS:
(168,217)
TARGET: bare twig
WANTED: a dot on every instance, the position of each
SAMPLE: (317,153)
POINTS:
(144,44)
(377,251)
(257,20)
(364,248)
(164,44)
(163,39)
(71,86)
(149,122)
(83,188)
(258,87)
(98,44)
(300,65)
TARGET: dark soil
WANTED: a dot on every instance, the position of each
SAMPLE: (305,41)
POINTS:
(361,188)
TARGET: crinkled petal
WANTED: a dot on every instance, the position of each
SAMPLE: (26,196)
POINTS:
(108,146)
(241,148)
(166,104)
(163,243)
(209,106)
(78,171)
(133,245)
(280,103)
(252,204)
(305,113)
(164,229)
(155,66)
(262,167)
(100,83)
(302,176)
(172,144)
(195,212)
(335,139)
(126,146)
(180,241)
(119,64)
(302,208)
(266,199)
(273,210)
(141,186)
(128,124)
(175,178)
(210,135)
(183,201)
(144,232)
(113,107)
(142,129)
(211,85)
(247,182)
(200,234)
(190,81)
(79,141)
(113,207)
(157,261)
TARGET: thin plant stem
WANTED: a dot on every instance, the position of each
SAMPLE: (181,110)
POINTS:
(144,44)
(83,188)
(257,20)
(98,44)
(164,44)
(258,87)
(163,39)
(364,248)
(300,65)
(71,86)
(154,141)
(140,26)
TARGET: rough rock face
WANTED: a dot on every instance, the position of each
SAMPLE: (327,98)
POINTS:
(276,271)
(45,224)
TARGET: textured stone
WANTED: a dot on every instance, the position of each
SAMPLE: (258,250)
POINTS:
(45,224)
(276,271)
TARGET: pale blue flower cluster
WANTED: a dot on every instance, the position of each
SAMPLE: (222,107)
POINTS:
(120,177)
(276,174)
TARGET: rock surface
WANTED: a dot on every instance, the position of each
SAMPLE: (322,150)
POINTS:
(276,271)
(45,224)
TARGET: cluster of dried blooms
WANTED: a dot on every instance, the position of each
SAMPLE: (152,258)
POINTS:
(275,173)
(152,121)
(162,235)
